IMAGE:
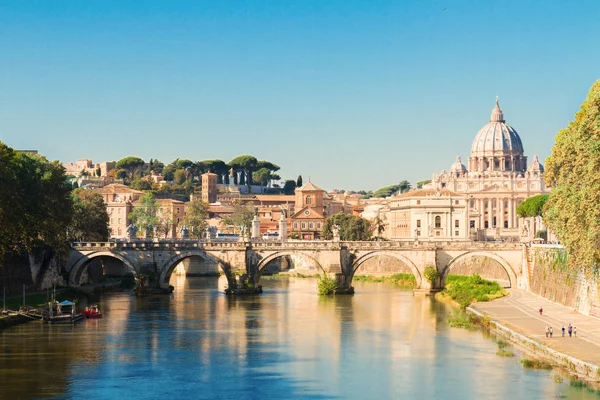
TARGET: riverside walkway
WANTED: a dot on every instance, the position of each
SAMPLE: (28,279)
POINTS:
(520,312)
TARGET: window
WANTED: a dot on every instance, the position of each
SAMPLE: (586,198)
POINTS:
(472,204)
(304,225)
(418,201)
(295,225)
(506,224)
(456,223)
(494,222)
(310,225)
(438,222)
(119,221)
(443,185)
(486,224)
(418,223)
(456,202)
(112,221)
(418,233)
(472,224)
(308,200)
(318,225)
(437,233)
(455,233)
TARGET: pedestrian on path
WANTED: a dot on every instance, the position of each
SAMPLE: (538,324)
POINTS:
(570,330)
(541,310)
(575,331)
(547,331)
(550,331)
(563,331)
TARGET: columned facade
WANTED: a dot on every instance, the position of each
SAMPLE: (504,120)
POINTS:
(497,181)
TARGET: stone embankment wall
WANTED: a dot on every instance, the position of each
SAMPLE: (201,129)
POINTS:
(37,270)
(486,267)
(553,279)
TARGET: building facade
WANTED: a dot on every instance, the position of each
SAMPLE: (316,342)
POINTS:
(497,181)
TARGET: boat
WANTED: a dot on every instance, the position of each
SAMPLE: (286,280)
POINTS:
(64,314)
(92,312)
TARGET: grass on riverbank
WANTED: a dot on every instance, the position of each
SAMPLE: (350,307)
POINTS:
(404,280)
(468,289)
(534,364)
(39,299)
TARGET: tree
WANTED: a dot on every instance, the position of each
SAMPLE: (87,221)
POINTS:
(155,166)
(130,164)
(378,226)
(98,171)
(35,202)
(179,177)
(299,181)
(165,222)
(404,186)
(218,167)
(352,227)
(140,184)
(533,206)
(262,176)
(241,217)
(573,207)
(246,164)
(195,217)
(289,187)
(420,184)
(145,214)
(90,219)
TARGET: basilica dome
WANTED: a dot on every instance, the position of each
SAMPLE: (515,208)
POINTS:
(458,167)
(497,137)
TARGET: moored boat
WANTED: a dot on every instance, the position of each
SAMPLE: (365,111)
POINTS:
(64,314)
(92,312)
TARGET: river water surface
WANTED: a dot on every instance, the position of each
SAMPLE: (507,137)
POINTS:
(288,343)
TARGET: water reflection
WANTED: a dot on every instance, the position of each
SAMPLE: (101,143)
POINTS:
(383,342)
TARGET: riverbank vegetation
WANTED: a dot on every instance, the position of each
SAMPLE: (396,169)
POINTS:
(534,364)
(468,289)
(404,280)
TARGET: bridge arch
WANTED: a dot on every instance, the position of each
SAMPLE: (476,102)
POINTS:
(271,257)
(397,255)
(82,263)
(512,275)
(169,265)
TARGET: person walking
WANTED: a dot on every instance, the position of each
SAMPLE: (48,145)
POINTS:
(550,331)
(563,331)
(575,331)
(570,330)
(547,331)
(541,310)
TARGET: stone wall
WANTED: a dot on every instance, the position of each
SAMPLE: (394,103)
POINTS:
(37,270)
(486,267)
(553,279)
(383,265)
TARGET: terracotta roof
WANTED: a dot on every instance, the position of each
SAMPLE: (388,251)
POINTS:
(172,201)
(429,192)
(117,188)
(310,186)
(275,197)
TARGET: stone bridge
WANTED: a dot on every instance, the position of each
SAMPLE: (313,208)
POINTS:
(341,259)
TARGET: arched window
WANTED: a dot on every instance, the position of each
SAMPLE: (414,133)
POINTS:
(310,225)
(505,224)
(438,222)
(308,200)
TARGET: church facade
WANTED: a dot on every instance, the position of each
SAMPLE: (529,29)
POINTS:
(497,180)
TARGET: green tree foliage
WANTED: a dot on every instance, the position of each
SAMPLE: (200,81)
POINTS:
(289,187)
(121,174)
(140,184)
(155,166)
(165,222)
(299,181)
(130,164)
(351,227)
(420,184)
(179,177)
(195,217)
(35,202)
(98,171)
(573,208)
(387,191)
(241,217)
(245,163)
(145,214)
(533,206)
(217,166)
(90,219)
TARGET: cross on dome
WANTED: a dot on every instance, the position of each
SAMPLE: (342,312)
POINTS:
(497,115)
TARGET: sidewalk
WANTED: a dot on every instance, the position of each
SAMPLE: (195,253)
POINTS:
(520,312)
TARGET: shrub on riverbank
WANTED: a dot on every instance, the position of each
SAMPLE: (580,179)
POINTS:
(467,289)
(405,280)
(534,364)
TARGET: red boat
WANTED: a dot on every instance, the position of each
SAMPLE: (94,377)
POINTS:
(92,312)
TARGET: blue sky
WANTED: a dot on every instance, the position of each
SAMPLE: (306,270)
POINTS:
(354,94)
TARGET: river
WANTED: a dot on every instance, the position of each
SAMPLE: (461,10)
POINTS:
(382,343)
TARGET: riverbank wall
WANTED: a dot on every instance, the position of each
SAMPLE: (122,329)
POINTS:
(39,269)
(553,279)
(577,368)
